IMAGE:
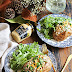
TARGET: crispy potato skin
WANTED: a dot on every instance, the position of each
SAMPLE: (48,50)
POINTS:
(46,67)
(62,36)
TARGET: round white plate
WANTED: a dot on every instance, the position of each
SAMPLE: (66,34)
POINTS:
(62,44)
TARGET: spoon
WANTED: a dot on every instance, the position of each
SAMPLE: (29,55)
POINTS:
(68,60)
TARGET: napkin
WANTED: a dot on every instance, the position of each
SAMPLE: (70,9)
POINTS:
(6,42)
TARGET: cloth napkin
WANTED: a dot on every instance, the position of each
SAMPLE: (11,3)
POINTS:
(6,43)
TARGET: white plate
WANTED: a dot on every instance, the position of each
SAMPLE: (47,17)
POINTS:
(62,44)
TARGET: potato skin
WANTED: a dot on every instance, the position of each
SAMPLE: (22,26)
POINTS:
(62,36)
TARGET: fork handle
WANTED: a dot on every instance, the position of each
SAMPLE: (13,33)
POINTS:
(68,60)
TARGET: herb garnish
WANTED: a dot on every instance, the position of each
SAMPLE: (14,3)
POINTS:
(27,66)
(31,68)
(41,61)
(70,23)
(38,64)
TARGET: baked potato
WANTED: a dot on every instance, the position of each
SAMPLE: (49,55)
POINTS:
(62,31)
(40,63)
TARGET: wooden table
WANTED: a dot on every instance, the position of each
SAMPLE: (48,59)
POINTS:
(61,54)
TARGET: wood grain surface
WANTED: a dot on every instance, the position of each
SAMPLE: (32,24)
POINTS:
(60,54)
